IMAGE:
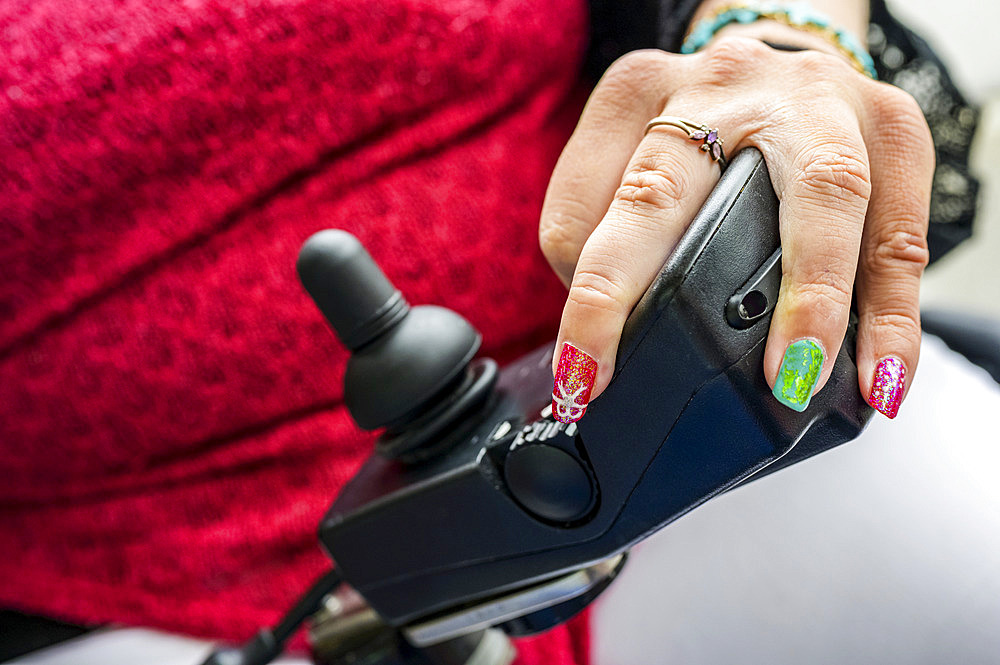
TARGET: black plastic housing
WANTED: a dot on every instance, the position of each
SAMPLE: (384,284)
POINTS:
(688,415)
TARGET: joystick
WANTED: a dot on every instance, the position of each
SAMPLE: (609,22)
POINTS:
(481,516)
(411,368)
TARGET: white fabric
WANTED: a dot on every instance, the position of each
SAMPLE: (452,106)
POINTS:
(128,646)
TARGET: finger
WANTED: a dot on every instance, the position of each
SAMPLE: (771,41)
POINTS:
(824,190)
(589,170)
(663,186)
(893,248)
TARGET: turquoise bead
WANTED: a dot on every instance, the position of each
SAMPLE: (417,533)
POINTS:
(798,15)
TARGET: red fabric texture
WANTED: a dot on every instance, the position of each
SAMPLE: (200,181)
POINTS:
(171,417)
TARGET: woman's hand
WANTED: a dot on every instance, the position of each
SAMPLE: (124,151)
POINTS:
(850,159)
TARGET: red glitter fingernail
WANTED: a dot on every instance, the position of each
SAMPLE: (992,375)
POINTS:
(575,376)
(887,386)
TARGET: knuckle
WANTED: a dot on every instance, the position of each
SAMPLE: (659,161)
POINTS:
(597,292)
(730,57)
(899,113)
(893,102)
(828,279)
(835,285)
(837,171)
(558,243)
(895,329)
(900,248)
(904,323)
(637,62)
(651,185)
(826,294)
(822,66)
(634,73)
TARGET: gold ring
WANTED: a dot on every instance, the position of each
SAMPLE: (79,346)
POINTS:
(711,143)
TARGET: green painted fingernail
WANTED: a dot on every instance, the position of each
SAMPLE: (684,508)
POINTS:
(799,372)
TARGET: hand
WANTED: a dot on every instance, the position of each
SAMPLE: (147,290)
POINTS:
(850,159)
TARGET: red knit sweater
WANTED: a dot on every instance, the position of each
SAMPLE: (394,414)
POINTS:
(171,417)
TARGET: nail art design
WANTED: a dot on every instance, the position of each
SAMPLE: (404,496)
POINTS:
(887,386)
(574,380)
(800,369)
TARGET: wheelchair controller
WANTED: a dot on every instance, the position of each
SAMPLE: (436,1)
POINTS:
(479,516)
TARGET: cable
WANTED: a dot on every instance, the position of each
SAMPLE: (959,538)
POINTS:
(268,644)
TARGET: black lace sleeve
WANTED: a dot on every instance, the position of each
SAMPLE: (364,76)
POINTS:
(901,58)
(905,60)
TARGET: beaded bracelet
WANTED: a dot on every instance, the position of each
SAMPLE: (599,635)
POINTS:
(798,16)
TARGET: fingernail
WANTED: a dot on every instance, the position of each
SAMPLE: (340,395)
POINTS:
(574,380)
(887,386)
(799,372)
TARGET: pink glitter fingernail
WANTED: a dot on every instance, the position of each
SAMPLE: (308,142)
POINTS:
(575,375)
(887,386)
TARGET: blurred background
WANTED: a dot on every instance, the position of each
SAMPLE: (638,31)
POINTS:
(964,35)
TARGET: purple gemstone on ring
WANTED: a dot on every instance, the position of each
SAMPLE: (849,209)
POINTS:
(713,135)
(698,135)
(716,151)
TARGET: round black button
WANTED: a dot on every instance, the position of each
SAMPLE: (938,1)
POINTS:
(549,482)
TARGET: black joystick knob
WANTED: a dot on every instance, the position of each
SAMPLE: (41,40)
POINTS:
(351,291)
(409,369)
